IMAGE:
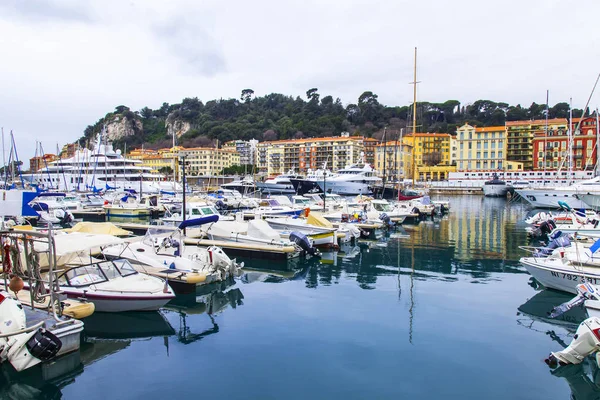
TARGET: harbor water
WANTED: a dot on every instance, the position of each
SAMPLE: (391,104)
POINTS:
(439,309)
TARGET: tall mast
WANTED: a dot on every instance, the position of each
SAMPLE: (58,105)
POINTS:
(570,147)
(597,141)
(384,159)
(414,124)
(3,154)
(546,134)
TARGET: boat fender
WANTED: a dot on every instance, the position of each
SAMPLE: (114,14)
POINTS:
(302,241)
(172,266)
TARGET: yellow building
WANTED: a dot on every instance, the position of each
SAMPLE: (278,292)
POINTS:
(395,165)
(207,161)
(431,156)
(481,148)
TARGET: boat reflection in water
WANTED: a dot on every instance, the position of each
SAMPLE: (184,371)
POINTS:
(127,325)
(583,379)
(539,307)
(211,299)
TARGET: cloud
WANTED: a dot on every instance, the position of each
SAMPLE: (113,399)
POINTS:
(190,43)
(48,10)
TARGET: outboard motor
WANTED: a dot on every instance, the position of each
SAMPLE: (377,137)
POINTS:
(386,219)
(220,205)
(585,342)
(301,240)
(546,227)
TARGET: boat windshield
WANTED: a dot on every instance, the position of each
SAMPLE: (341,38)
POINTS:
(84,275)
(382,207)
(124,267)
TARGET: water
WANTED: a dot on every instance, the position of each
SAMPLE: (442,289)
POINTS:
(437,310)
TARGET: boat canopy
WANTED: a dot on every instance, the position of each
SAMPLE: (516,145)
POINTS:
(317,219)
(198,221)
(106,228)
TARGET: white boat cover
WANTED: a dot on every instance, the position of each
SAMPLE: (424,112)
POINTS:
(105,228)
(260,229)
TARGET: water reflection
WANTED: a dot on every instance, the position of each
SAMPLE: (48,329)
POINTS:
(209,300)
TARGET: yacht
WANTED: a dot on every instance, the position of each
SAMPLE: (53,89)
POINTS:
(98,169)
(495,187)
(281,184)
(309,184)
(245,186)
(352,180)
(569,195)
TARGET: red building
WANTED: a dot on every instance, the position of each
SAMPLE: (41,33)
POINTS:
(552,150)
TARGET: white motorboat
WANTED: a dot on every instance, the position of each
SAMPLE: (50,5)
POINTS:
(127,206)
(112,285)
(321,236)
(194,210)
(257,232)
(495,187)
(565,267)
(280,184)
(228,199)
(271,208)
(162,252)
(352,180)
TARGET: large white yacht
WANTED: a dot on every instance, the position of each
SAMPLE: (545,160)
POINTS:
(101,168)
(570,195)
(281,184)
(352,180)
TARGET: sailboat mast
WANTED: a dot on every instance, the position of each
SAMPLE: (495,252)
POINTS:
(570,148)
(3,154)
(546,133)
(597,141)
(414,124)
(384,159)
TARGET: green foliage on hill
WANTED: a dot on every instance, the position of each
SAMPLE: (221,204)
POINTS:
(277,116)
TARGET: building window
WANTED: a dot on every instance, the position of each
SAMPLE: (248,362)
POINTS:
(462,136)
(478,145)
(499,154)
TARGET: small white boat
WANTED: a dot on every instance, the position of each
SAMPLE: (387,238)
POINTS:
(128,207)
(495,187)
(279,184)
(112,285)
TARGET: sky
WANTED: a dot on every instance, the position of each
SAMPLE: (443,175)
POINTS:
(65,63)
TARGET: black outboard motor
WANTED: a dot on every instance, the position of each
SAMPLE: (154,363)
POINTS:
(220,205)
(386,219)
(44,345)
(301,240)
(557,239)
(547,226)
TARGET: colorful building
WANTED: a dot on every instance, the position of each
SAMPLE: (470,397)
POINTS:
(35,163)
(393,160)
(431,156)
(278,157)
(520,135)
(480,148)
(551,148)
(208,161)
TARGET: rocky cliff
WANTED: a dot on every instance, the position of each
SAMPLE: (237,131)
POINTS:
(176,126)
(120,126)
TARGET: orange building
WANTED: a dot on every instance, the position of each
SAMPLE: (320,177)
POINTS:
(35,163)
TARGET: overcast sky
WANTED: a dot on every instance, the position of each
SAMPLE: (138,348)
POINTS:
(66,63)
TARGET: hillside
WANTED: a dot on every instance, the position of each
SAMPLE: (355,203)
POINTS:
(276,116)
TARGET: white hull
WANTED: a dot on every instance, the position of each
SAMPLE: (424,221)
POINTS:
(495,190)
(549,198)
(592,200)
(346,187)
(105,302)
(554,274)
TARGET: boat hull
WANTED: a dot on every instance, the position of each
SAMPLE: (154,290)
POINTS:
(121,303)
(276,188)
(499,190)
(303,186)
(549,198)
(554,274)
(350,188)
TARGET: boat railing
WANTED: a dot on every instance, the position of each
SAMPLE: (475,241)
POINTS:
(24,330)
